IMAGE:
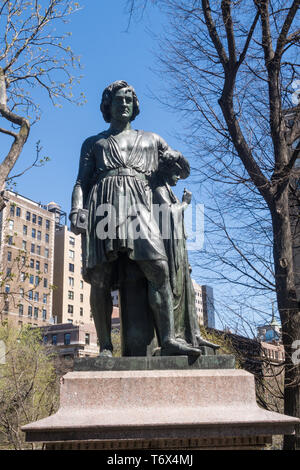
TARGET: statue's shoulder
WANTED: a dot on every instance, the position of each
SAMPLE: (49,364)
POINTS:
(151,136)
(89,142)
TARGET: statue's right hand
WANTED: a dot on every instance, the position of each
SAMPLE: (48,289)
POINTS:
(73,219)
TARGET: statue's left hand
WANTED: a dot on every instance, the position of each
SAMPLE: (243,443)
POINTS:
(187,196)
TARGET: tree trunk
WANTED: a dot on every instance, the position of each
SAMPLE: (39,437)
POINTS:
(288,308)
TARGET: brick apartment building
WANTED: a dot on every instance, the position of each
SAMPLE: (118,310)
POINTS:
(27,233)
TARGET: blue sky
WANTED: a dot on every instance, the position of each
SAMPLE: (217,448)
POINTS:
(108,53)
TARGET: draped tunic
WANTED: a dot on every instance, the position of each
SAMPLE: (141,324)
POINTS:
(120,206)
(185,316)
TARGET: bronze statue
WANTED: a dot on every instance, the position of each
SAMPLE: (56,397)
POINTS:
(113,192)
(185,317)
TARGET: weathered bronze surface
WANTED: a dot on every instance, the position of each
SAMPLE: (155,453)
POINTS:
(123,174)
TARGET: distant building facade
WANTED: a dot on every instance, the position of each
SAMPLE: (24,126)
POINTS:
(270,332)
(71,296)
(71,341)
(26,256)
(204,301)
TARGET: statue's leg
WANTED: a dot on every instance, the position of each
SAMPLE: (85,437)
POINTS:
(161,302)
(101,305)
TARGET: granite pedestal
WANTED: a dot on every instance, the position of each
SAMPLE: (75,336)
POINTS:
(173,408)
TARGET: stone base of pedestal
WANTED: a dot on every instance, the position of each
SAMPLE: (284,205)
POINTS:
(159,409)
(229,443)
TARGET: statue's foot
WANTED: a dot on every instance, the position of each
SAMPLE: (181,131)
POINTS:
(203,342)
(105,353)
(175,348)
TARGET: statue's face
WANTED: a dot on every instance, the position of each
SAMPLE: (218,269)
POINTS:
(122,105)
(173,179)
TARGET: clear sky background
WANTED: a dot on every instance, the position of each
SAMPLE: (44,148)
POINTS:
(108,52)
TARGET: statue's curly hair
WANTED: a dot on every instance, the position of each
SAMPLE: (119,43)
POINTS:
(107,97)
(179,165)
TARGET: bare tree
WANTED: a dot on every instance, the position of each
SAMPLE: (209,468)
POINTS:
(231,66)
(33,54)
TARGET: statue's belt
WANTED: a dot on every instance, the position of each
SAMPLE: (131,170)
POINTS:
(121,172)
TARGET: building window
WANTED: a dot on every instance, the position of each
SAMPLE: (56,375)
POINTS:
(21,310)
(54,339)
(72,241)
(31,264)
(47,224)
(81,311)
(47,252)
(33,218)
(40,220)
(70,320)
(36,297)
(21,292)
(32,248)
(9,256)
(37,265)
(18,212)
(47,238)
(71,254)
(71,267)
(33,233)
(11,225)
(6,306)
(10,240)
(29,310)
(45,282)
(44,298)
(37,280)
(22,277)
(67,338)
(31,279)
(45,339)
(44,314)
(24,229)
(12,210)
(87,338)
(71,281)
(28,215)
(38,250)
(36,312)
(23,245)
(46,268)
(7,288)
(81,297)
(70,309)
(39,235)
(30,295)
(70,295)
(81,284)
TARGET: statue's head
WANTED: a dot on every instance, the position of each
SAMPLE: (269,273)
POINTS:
(171,171)
(107,97)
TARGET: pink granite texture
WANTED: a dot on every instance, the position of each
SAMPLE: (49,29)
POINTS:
(145,404)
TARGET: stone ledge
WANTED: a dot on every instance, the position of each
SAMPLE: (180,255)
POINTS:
(131,406)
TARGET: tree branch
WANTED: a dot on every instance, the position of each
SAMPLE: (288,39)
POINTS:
(213,32)
(227,20)
(282,39)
